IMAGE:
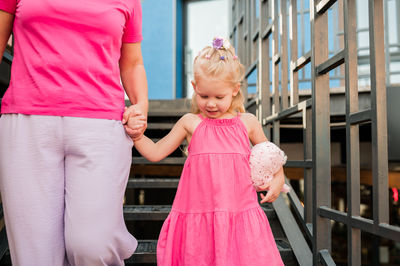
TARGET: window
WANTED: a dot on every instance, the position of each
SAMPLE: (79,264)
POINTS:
(203,20)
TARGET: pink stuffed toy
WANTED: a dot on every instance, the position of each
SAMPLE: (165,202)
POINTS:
(265,161)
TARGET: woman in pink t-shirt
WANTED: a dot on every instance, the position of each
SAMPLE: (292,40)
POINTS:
(64,154)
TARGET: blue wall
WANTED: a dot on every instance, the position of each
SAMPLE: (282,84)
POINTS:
(157,47)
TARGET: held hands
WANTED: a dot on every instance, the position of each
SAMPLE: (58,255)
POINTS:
(134,121)
(274,187)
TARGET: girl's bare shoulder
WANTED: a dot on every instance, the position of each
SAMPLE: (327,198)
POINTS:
(190,121)
(249,120)
(248,117)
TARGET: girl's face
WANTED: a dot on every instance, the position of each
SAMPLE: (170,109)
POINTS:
(214,98)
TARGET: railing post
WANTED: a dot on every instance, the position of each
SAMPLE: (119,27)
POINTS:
(308,179)
(379,114)
(284,55)
(294,76)
(264,93)
(380,194)
(275,70)
(352,131)
(321,132)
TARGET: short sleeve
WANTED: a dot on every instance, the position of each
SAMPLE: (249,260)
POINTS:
(133,27)
(8,5)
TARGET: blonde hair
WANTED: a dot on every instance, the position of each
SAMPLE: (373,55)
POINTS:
(223,65)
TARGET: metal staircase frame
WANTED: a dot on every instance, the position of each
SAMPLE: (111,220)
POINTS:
(252,34)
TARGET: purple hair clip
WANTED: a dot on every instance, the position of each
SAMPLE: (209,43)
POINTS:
(222,58)
(220,43)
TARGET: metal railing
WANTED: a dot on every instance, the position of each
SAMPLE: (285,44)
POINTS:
(265,35)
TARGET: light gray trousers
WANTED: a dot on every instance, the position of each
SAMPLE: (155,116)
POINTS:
(62,183)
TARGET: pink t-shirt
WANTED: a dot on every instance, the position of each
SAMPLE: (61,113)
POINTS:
(66,56)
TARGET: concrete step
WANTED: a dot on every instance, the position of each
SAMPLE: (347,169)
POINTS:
(156,170)
(159,126)
(167,113)
(146,252)
(153,182)
(166,161)
(146,212)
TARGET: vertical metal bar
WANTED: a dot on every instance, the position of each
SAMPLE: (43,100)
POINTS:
(387,47)
(352,131)
(247,44)
(303,34)
(247,39)
(239,30)
(321,132)
(294,75)
(275,51)
(254,27)
(397,3)
(251,30)
(275,69)
(308,182)
(264,63)
(233,23)
(241,42)
(284,55)
(341,38)
(263,58)
(380,190)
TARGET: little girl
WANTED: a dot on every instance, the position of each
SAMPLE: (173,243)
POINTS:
(215,218)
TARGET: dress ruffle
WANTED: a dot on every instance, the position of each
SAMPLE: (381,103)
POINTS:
(217,238)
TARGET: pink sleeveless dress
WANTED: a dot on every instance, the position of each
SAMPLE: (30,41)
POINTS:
(215,218)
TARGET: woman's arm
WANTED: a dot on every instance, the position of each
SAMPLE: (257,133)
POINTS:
(6,25)
(155,152)
(133,77)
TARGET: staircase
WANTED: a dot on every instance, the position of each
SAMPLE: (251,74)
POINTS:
(151,189)
(152,186)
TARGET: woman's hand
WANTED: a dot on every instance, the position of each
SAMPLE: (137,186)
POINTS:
(134,121)
(274,187)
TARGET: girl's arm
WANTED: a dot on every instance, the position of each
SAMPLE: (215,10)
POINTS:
(256,135)
(6,25)
(155,152)
(133,77)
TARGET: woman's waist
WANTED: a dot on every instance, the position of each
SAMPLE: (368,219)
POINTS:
(64,110)
(63,100)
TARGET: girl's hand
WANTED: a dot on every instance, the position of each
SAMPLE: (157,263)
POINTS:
(132,110)
(274,188)
(135,123)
